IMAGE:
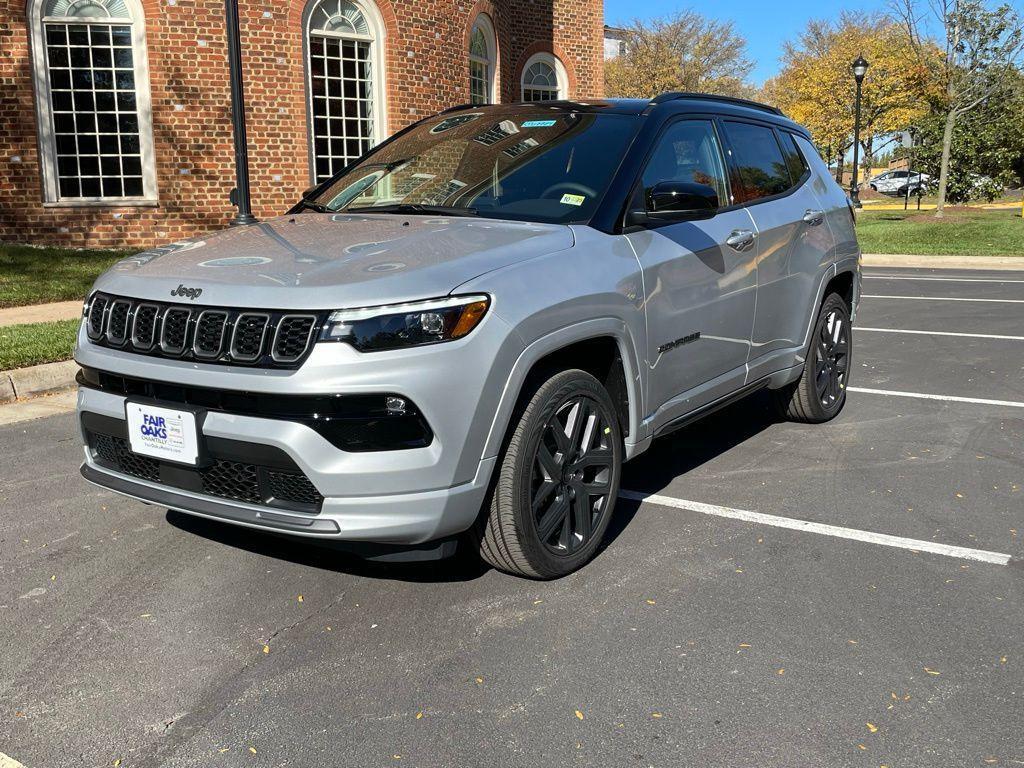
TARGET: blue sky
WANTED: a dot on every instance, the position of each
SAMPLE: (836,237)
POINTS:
(764,23)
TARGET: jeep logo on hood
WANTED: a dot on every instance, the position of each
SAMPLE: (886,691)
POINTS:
(188,293)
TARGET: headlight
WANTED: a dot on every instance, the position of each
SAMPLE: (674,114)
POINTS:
(406,325)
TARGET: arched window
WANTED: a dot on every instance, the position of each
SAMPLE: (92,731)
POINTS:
(346,83)
(92,101)
(482,58)
(544,79)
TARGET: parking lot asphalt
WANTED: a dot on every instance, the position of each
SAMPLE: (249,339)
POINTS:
(132,634)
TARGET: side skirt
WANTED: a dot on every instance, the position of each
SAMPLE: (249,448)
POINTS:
(705,410)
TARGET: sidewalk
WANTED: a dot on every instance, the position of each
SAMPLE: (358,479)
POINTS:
(41,313)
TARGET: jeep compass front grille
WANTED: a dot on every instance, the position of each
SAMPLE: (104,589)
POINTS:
(209,334)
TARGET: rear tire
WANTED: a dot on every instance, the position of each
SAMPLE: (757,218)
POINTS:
(820,392)
(557,483)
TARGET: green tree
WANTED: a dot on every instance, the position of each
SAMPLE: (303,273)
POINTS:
(681,52)
(987,141)
(980,49)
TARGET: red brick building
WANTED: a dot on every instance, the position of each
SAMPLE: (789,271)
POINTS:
(115,114)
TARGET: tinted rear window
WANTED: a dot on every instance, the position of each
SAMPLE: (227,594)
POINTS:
(760,168)
(794,160)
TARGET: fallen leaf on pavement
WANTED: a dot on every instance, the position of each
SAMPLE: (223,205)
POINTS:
(872,727)
(579,715)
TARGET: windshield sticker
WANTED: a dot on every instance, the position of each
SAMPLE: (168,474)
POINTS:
(538,124)
(568,199)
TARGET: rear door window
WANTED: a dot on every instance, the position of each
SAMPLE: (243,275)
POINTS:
(759,170)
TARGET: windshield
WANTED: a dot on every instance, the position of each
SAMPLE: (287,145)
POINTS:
(536,165)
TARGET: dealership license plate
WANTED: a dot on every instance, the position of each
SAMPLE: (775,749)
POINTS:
(163,433)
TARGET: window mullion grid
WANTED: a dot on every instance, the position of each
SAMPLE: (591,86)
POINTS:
(95,108)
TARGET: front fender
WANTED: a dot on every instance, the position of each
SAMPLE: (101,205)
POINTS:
(558,339)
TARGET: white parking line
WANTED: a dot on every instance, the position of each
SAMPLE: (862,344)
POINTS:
(926,396)
(9,762)
(942,279)
(941,298)
(942,333)
(854,534)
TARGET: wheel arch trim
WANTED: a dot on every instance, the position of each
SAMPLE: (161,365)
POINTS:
(834,269)
(552,342)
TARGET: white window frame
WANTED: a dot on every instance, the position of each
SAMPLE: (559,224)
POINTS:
(377,41)
(44,114)
(484,24)
(562,78)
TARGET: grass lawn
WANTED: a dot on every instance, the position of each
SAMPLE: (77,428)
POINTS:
(39,275)
(35,343)
(966,232)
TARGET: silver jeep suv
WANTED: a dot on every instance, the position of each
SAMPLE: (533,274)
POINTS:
(461,336)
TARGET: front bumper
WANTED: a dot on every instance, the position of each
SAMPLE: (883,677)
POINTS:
(396,497)
(400,518)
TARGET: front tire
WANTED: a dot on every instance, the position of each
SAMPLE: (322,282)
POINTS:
(820,392)
(557,483)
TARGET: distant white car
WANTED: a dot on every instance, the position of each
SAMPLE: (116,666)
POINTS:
(896,182)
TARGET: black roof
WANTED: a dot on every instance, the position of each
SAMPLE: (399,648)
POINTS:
(671,102)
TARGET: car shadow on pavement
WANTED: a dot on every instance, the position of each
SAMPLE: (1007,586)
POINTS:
(322,556)
(666,460)
(689,448)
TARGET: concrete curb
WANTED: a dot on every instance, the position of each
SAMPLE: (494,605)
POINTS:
(942,262)
(22,383)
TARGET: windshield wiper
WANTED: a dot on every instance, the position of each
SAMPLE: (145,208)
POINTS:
(416,209)
(318,207)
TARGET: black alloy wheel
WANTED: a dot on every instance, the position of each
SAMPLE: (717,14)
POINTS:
(820,392)
(572,473)
(557,480)
(832,358)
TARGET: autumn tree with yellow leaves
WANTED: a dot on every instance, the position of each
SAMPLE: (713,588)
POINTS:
(816,87)
(681,52)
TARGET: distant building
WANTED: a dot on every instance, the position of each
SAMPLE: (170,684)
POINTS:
(614,42)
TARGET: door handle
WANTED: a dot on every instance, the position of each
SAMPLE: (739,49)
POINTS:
(740,239)
(814,218)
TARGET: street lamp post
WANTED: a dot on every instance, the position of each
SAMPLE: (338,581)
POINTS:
(240,194)
(860,68)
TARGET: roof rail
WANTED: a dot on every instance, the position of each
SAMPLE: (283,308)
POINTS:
(674,95)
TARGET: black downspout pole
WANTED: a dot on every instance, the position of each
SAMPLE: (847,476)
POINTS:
(240,194)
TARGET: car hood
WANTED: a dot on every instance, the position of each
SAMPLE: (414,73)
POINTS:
(324,261)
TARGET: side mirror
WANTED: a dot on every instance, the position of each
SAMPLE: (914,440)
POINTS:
(669,201)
